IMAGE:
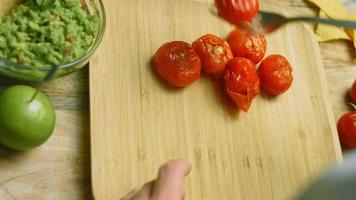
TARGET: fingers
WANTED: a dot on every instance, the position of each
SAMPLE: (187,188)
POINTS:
(170,179)
(167,186)
(130,194)
(145,192)
(140,194)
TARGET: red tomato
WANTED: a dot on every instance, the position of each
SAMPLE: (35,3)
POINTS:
(237,11)
(214,54)
(241,82)
(347,130)
(247,44)
(177,63)
(353,93)
(275,73)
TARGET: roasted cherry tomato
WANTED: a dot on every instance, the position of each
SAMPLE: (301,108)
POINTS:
(275,74)
(241,82)
(353,93)
(177,63)
(237,11)
(214,54)
(247,44)
(347,130)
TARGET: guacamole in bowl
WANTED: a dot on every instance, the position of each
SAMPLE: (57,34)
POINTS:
(39,44)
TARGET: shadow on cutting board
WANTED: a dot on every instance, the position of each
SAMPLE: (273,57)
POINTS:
(223,98)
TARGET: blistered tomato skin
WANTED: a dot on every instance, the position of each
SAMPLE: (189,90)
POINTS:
(275,73)
(241,82)
(237,11)
(214,54)
(177,63)
(247,44)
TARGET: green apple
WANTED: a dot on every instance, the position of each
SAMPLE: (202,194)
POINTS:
(26,121)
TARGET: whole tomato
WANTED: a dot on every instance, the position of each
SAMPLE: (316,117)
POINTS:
(177,63)
(347,130)
(214,54)
(241,82)
(275,73)
(247,44)
(237,11)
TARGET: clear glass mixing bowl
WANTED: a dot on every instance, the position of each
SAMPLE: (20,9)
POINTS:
(38,74)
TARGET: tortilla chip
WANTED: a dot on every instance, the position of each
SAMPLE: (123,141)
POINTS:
(334,9)
(326,33)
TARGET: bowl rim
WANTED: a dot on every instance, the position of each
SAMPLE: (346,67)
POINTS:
(53,68)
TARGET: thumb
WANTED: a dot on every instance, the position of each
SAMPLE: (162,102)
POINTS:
(169,184)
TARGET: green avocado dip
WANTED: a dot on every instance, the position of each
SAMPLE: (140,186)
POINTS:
(43,38)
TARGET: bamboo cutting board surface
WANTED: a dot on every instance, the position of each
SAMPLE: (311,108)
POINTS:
(138,123)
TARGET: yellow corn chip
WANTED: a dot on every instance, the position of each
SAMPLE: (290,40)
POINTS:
(326,32)
(334,9)
(353,34)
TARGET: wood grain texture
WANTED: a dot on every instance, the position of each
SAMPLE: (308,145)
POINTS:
(71,147)
(138,123)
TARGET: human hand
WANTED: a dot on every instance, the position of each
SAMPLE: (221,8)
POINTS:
(167,186)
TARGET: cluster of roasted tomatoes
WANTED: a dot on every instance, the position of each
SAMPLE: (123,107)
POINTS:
(347,124)
(234,59)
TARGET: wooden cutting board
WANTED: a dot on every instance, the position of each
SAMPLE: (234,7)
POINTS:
(138,123)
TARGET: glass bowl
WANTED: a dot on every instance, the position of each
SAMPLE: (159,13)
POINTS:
(38,74)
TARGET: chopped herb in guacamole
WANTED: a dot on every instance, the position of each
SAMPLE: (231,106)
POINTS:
(42,38)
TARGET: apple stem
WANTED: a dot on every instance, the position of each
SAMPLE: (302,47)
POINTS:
(34,95)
